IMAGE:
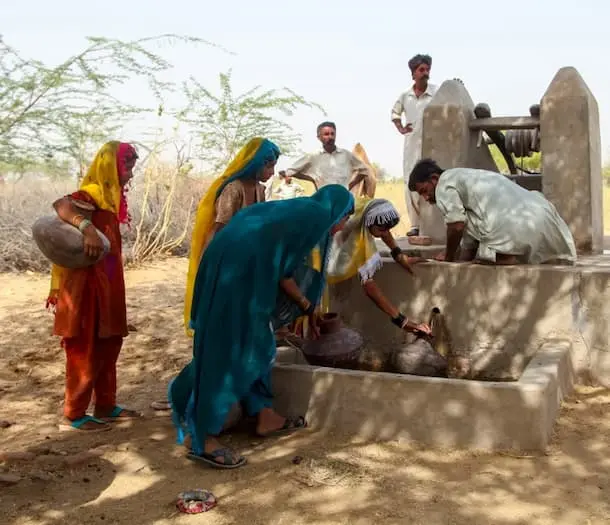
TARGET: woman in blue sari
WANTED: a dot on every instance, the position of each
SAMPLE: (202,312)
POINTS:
(256,275)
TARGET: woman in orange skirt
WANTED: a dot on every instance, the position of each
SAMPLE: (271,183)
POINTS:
(89,303)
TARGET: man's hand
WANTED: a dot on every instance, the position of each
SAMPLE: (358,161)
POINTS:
(440,256)
(406,129)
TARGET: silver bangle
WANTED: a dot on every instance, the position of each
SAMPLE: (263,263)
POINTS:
(83,224)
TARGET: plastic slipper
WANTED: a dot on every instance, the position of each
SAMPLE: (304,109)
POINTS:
(291,424)
(195,501)
(115,415)
(77,425)
(210,458)
(161,405)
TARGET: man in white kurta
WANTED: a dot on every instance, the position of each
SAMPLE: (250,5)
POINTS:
(411,104)
(492,219)
(287,188)
(332,165)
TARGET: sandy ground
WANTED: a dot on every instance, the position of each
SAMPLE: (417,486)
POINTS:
(133,473)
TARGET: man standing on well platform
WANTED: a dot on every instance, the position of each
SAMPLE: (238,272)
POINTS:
(412,104)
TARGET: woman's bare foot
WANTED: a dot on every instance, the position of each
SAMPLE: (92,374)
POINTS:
(270,422)
(214,452)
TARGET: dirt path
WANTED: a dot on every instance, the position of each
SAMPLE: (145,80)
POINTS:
(132,474)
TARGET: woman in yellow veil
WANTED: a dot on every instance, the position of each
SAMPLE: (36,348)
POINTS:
(238,187)
(89,303)
(354,252)
(367,187)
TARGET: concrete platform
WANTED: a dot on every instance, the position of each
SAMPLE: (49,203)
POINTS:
(365,406)
(499,314)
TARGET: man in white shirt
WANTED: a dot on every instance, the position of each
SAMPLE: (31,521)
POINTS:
(412,104)
(332,165)
(288,188)
(491,219)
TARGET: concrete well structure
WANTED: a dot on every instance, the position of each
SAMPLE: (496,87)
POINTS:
(365,406)
(570,146)
(530,331)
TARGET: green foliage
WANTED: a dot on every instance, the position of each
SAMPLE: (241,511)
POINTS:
(606,174)
(67,110)
(533,163)
(223,123)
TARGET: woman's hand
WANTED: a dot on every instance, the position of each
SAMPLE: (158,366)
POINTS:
(407,262)
(314,329)
(423,328)
(92,243)
(419,329)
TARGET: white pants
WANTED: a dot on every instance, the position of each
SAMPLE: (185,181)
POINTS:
(413,200)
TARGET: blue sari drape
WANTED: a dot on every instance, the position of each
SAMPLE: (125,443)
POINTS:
(237,302)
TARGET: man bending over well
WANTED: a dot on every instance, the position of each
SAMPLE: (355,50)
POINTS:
(491,219)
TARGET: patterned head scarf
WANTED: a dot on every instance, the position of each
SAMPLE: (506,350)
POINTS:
(381,212)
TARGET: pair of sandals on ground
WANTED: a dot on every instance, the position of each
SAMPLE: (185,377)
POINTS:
(226,458)
(100,421)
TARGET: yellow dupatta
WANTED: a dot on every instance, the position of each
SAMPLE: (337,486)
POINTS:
(206,213)
(102,184)
(367,187)
(354,246)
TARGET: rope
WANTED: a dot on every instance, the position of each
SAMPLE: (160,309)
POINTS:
(522,142)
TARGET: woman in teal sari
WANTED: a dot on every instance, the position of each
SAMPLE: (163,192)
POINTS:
(255,276)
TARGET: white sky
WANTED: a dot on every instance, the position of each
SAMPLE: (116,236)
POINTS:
(352,60)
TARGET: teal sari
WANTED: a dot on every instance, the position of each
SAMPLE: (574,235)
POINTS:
(237,303)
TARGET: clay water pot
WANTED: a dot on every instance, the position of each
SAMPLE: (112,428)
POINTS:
(63,244)
(337,347)
(419,358)
(329,323)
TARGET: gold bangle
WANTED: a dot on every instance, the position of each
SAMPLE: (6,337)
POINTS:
(77,219)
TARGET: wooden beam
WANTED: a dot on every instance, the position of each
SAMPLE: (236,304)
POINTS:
(504,123)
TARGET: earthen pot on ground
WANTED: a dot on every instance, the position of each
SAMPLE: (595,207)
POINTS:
(63,244)
(338,346)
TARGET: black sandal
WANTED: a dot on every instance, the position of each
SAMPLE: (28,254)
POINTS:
(290,425)
(230,459)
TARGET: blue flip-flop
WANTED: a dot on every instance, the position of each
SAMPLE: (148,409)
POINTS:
(76,425)
(115,415)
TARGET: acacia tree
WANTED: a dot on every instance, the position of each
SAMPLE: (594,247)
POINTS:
(223,123)
(64,109)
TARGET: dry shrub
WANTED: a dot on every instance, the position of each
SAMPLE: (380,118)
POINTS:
(162,203)
(21,203)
